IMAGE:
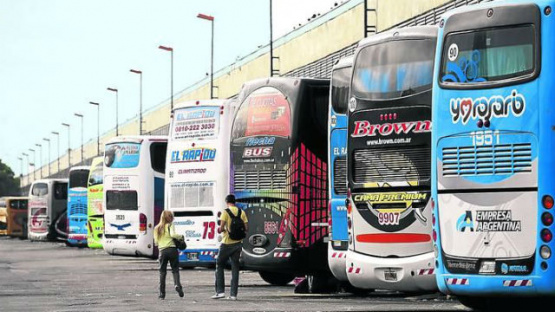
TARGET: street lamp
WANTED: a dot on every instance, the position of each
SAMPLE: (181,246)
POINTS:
(81,116)
(211,19)
(34,164)
(97,127)
(48,140)
(140,73)
(41,159)
(58,145)
(117,122)
(27,156)
(68,145)
(20,171)
(169,49)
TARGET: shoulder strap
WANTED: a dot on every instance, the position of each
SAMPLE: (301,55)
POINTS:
(230,213)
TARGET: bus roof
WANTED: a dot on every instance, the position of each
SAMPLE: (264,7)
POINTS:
(79,168)
(48,181)
(137,138)
(13,197)
(400,33)
(192,103)
(344,62)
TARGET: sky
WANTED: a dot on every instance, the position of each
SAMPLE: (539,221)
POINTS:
(58,55)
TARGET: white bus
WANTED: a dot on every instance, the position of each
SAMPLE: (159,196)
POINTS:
(198,175)
(134,168)
(47,209)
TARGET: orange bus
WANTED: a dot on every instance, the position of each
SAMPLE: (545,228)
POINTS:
(13,216)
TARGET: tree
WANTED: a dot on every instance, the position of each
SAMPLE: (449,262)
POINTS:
(8,184)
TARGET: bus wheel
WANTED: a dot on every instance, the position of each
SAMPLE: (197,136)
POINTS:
(276,279)
(320,283)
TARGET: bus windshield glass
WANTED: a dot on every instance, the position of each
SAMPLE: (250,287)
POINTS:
(78,178)
(340,89)
(96,175)
(122,155)
(198,122)
(18,204)
(488,55)
(40,189)
(393,70)
(121,200)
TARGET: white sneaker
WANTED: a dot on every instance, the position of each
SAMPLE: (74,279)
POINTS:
(233,298)
(218,296)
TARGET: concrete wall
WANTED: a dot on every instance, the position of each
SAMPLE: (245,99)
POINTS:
(329,33)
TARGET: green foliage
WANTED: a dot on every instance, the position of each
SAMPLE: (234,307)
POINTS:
(9,185)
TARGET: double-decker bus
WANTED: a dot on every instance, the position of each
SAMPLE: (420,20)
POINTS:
(77,206)
(494,180)
(389,211)
(279,176)
(337,167)
(47,218)
(15,212)
(95,210)
(134,169)
(198,175)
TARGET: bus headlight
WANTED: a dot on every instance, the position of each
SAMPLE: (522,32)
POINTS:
(545,252)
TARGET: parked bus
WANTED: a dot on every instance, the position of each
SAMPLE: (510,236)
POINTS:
(77,206)
(337,166)
(134,168)
(198,175)
(494,180)
(279,176)
(47,217)
(15,212)
(390,219)
(95,209)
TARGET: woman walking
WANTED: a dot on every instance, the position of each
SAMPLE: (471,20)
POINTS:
(164,233)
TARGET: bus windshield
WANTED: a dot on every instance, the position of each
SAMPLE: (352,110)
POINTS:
(122,155)
(96,175)
(197,122)
(121,200)
(389,70)
(78,178)
(340,89)
(18,204)
(488,55)
(40,189)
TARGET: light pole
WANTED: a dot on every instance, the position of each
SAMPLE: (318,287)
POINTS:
(81,116)
(48,140)
(27,156)
(211,19)
(68,145)
(97,127)
(140,73)
(41,159)
(171,73)
(58,136)
(34,164)
(117,122)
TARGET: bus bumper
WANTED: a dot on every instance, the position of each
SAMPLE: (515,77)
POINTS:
(491,286)
(37,236)
(128,247)
(409,274)
(278,260)
(337,262)
(77,239)
(197,257)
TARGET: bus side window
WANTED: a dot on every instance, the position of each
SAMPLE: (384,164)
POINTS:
(158,156)
(60,190)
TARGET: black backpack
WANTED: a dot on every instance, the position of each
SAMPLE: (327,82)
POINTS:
(237,226)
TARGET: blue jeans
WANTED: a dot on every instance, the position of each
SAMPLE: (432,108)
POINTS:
(226,252)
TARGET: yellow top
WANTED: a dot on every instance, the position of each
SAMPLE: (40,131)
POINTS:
(227,219)
(166,241)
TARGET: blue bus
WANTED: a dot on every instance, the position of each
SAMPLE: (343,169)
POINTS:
(337,163)
(77,206)
(492,120)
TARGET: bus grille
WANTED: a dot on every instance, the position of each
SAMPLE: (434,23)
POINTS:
(260,179)
(76,209)
(487,160)
(340,175)
(392,164)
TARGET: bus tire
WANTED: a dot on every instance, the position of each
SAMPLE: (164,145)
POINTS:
(276,279)
(320,283)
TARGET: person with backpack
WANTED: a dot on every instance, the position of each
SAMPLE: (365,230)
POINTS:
(234,227)
(164,236)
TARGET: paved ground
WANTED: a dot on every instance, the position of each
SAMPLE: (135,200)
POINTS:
(52,277)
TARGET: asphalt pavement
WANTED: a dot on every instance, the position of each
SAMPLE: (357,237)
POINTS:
(48,276)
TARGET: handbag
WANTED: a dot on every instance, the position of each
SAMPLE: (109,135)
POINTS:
(179,243)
